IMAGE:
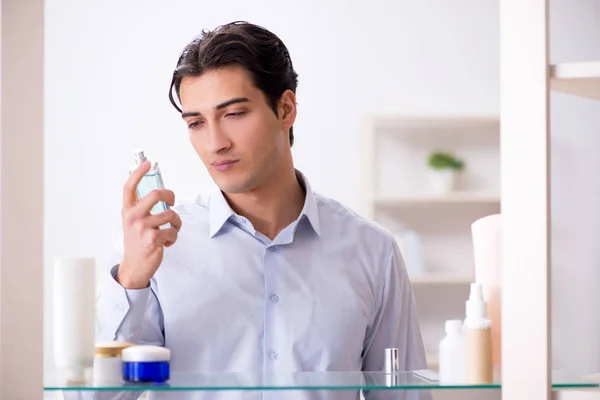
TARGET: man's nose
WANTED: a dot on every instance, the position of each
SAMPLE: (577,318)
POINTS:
(217,140)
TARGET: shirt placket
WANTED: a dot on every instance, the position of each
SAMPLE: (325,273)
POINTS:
(273,351)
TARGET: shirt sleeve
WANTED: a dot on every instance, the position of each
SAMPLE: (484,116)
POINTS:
(131,315)
(396,324)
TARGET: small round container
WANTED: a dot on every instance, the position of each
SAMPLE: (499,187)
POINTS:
(108,365)
(146,364)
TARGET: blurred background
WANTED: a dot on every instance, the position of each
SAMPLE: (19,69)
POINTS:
(382,86)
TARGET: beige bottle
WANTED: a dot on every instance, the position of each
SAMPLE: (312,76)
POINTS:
(478,340)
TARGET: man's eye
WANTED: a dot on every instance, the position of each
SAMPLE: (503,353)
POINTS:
(194,125)
(235,114)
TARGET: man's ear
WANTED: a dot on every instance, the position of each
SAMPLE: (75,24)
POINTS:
(286,109)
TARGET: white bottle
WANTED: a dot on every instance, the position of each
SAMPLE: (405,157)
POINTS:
(452,354)
(478,339)
(74,318)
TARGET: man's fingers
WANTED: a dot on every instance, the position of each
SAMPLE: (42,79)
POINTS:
(130,187)
(176,222)
(167,237)
(147,202)
(169,216)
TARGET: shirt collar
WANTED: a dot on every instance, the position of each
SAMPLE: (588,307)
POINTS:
(310,209)
(220,210)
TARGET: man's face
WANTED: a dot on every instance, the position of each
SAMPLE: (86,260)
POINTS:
(233,129)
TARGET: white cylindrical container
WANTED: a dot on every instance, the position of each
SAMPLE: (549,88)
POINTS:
(452,354)
(74,317)
(108,363)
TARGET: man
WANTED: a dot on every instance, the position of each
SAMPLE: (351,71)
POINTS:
(263,275)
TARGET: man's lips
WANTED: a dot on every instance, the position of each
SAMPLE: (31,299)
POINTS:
(223,165)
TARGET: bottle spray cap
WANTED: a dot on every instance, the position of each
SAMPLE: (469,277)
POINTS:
(476,306)
(454,326)
(139,157)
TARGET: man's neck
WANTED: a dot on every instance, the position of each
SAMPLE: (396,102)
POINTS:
(273,206)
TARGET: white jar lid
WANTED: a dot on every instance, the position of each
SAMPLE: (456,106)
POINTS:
(146,353)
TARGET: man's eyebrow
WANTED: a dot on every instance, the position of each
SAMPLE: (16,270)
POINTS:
(190,114)
(230,102)
(217,107)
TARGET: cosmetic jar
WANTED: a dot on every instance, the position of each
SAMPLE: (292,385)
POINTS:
(146,363)
(108,364)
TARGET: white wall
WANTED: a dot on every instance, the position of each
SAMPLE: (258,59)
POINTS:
(109,63)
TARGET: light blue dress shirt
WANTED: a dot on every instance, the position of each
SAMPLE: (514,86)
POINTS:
(329,293)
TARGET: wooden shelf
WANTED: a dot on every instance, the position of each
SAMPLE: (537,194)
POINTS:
(468,198)
(579,79)
(440,279)
(439,130)
(438,123)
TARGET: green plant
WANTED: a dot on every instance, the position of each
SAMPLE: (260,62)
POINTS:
(445,160)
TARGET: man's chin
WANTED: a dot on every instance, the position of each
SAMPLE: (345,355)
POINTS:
(229,187)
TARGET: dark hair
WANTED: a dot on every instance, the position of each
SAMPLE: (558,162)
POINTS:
(252,47)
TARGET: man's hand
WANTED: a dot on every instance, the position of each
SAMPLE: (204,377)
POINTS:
(144,240)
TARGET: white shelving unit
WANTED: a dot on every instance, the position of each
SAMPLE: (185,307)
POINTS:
(398,196)
(526,79)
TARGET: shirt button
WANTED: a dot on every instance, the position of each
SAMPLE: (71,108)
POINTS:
(274,298)
(274,356)
(271,248)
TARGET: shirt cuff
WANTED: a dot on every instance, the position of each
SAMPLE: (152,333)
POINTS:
(135,297)
(120,311)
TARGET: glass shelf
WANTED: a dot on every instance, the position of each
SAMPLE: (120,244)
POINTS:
(302,381)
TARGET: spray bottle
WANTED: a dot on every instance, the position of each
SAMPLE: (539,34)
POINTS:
(151,181)
(478,339)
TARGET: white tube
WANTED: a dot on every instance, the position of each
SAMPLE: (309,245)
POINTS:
(74,317)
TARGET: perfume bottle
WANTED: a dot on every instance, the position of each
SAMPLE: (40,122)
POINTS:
(152,180)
